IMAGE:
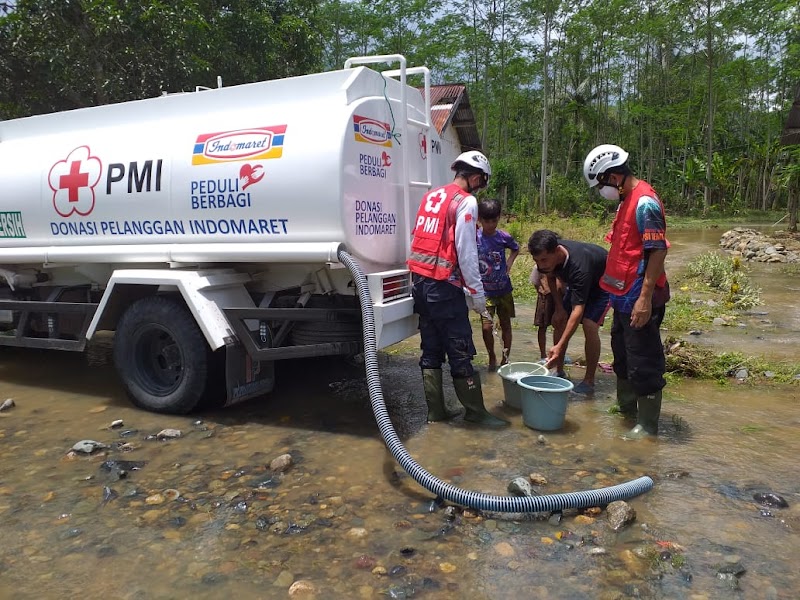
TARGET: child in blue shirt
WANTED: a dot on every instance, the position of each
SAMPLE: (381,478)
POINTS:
(494,269)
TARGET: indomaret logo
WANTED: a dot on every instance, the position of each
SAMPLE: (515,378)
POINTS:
(258,143)
(73,180)
(372,131)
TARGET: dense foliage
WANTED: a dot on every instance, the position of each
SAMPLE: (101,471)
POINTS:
(698,91)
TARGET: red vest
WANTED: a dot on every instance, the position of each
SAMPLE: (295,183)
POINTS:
(433,249)
(627,248)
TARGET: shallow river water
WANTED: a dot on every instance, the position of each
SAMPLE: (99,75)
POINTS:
(205,516)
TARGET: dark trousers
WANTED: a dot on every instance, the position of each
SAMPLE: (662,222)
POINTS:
(444,326)
(639,353)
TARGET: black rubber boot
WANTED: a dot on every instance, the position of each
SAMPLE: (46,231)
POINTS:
(434,395)
(626,398)
(647,421)
(468,390)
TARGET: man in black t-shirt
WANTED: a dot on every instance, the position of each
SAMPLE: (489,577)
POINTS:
(579,266)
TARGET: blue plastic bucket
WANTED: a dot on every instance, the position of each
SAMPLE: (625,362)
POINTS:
(544,401)
(510,374)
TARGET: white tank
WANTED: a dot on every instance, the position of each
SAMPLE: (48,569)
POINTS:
(306,160)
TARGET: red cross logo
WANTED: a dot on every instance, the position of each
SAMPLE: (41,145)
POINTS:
(73,180)
(423,145)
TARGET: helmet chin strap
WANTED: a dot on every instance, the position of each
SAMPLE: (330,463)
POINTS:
(621,186)
(472,189)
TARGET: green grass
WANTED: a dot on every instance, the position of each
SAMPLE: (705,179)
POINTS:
(750,429)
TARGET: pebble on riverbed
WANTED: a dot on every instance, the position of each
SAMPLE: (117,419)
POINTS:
(169,434)
(620,514)
(7,405)
(281,463)
(88,447)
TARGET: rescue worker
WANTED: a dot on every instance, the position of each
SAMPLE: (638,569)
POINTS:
(446,284)
(637,282)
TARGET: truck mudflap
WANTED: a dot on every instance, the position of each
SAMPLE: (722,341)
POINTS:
(246,378)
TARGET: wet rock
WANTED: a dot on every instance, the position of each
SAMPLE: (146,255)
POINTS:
(357,533)
(177,521)
(769,374)
(719,321)
(520,487)
(365,562)
(730,573)
(281,463)
(7,404)
(155,499)
(71,533)
(302,588)
(294,529)
(695,332)
(620,514)
(116,424)
(88,447)
(504,549)
(119,468)
(265,483)
(214,578)
(106,551)
(284,579)
(397,571)
(537,479)
(678,474)
(742,374)
(169,434)
(398,592)
(407,551)
(770,499)
(128,433)
(109,494)
(541,439)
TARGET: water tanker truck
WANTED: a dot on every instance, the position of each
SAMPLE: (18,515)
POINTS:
(204,229)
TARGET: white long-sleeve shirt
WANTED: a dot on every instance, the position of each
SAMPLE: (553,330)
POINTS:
(467,246)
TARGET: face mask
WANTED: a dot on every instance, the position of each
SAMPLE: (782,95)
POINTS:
(609,192)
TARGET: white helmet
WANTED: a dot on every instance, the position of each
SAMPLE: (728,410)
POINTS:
(600,160)
(474,160)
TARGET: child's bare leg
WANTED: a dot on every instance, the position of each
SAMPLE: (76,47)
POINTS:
(542,336)
(488,340)
(505,328)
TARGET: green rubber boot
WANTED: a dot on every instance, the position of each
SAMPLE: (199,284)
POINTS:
(468,390)
(434,395)
(647,422)
(626,398)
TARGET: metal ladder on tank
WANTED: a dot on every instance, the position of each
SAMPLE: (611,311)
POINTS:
(405,121)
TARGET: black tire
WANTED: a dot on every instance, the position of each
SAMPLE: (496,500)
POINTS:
(161,356)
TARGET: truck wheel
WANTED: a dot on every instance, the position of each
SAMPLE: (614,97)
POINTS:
(161,356)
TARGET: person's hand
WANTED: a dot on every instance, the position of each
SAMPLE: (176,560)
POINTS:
(477,303)
(553,356)
(642,310)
